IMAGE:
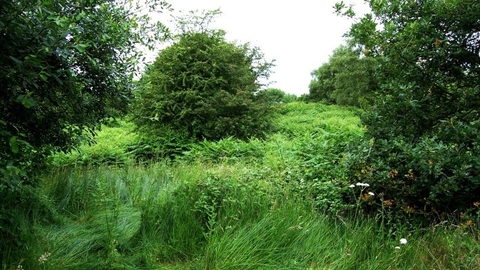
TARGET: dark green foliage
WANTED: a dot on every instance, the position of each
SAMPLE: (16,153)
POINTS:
(203,87)
(347,78)
(274,95)
(64,67)
(421,148)
(322,85)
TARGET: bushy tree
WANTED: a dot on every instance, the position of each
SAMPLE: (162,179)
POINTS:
(421,149)
(64,66)
(275,95)
(203,87)
(322,84)
(346,79)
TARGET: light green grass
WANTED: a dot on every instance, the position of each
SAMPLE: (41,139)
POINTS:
(111,144)
(218,216)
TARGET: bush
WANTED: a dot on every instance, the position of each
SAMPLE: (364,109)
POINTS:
(203,87)
(421,149)
(428,180)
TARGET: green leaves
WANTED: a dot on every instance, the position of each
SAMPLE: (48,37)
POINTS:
(65,66)
(81,47)
(203,87)
(13,144)
(347,78)
(425,117)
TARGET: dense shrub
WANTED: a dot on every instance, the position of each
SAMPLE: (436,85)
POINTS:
(203,87)
(421,149)
(65,66)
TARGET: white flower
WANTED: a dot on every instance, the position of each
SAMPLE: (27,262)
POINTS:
(351,186)
(371,193)
(403,241)
(44,257)
(363,185)
(397,247)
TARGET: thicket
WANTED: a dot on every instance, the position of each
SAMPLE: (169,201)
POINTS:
(65,66)
(421,151)
(276,203)
(202,87)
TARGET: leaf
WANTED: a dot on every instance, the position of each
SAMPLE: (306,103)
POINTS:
(16,60)
(29,102)
(58,79)
(81,47)
(13,144)
(43,75)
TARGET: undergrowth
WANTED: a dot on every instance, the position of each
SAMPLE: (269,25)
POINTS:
(282,203)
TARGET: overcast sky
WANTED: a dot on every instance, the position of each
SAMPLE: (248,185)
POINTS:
(300,35)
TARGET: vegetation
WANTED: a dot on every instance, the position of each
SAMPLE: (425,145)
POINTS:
(347,79)
(203,88)
(65,66)
(256,180)
(232,204)
(274,95)
(421,147)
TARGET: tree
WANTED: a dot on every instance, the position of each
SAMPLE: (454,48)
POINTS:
(346,79)
(322,84)
(423,130)
(64,67)
(275,95)
(203,87)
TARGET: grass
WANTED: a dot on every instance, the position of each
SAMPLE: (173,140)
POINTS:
(230,205)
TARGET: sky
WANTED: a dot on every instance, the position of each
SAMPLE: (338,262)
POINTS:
(300,35)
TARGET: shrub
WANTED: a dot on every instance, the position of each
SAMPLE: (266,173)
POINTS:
(203,87)
(421,147)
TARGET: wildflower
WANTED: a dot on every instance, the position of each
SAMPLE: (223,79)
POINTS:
(388,203)
(363,185)
(371,193)
(397,247)
(393,173)
(44,257)
(403,241)
(351,186)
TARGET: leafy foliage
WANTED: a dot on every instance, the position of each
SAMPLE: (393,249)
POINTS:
(421,147)
(347,78)
(274,95)
(65,66)
(203,87)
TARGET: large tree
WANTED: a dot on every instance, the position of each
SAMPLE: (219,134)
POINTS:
(203,87)
(64,66)
(348,78)
(423,132)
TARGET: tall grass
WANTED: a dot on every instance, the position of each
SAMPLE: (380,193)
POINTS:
(232,205)
(211,216)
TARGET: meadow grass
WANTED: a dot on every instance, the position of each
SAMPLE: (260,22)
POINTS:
(232,205)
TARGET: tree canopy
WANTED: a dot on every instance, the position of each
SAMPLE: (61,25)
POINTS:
(64,67)
(275,95)
(346,79)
